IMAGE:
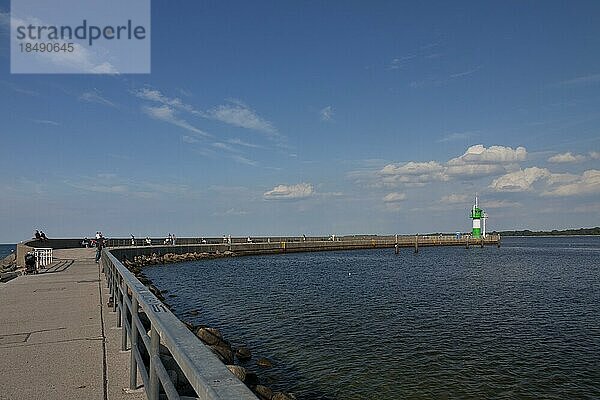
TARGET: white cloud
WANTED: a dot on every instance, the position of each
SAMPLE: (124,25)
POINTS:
(157,96)
(189,139)
(519,181)
(594,155)
(327,113)
(110,183)
(240,142)
(581,80)
(465,73)
(45,122)
(393,201)
(94,96)
(244,160)
(477,161)
(240,115)
(224,146)
(417,173)
(587,183)
(290,192)
(567,157)
(454,199)
(233,113)
(394,197)
(100,188)
(501,204)
(479,154)
(167,114)
(474,170)
(232,212)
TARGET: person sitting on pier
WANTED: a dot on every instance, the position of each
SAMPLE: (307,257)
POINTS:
(37,235)
(148,241)
(43,235)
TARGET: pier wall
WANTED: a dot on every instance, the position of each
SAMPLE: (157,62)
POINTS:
(240,249)
(261,245)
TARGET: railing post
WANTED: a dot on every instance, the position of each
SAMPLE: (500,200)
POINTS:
(114,293)
(119,301)
(154,347)
(124,319)
(134,338)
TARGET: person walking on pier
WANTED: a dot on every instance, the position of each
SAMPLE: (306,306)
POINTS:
(99,246)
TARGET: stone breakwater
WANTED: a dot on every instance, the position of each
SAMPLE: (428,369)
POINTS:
(8,268)
(235,358)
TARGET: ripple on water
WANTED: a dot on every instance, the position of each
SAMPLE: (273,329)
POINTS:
(519,321)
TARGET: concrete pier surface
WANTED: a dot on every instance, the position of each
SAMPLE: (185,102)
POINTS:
(57,335)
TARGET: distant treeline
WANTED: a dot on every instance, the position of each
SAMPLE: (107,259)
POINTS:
(573,232)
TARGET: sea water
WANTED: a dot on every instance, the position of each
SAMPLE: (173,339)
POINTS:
(519,321)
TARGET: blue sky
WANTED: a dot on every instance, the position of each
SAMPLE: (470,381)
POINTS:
(314,118)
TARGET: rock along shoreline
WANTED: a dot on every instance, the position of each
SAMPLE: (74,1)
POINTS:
(231,356)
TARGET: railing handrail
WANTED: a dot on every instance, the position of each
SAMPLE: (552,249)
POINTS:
(209,377)
(43,256)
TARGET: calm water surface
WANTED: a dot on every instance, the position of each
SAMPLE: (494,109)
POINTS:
(522,321)
(5,249)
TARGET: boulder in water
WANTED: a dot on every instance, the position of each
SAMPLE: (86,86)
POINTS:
(243,353)
(283,396)
(248,377)
(263,392)
(224,353)
(210,336)
(264,362)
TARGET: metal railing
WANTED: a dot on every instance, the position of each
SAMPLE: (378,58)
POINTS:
(381,239)
(43,257)
(205,373)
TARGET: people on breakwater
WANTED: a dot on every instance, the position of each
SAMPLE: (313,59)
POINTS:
(100,244)
(170,240)
(40,235)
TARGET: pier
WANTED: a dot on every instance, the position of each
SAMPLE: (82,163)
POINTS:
(277,244)
(57,336)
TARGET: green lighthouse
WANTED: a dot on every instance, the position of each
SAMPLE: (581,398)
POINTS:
(477,214)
